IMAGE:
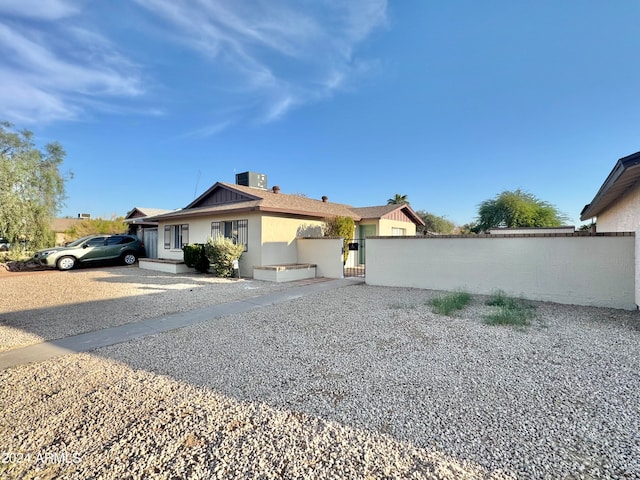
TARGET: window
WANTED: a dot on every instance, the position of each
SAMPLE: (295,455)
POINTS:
(236,230)
(175,236)
(96,242)
(398,232)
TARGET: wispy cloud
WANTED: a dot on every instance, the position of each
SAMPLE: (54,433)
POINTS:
(285,53)
(52,67)
(259,59)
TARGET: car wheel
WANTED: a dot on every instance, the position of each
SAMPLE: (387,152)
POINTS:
(129,258)
(66,263)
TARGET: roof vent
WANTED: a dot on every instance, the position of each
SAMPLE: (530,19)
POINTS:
(325,199)
(276,189)
(252,179)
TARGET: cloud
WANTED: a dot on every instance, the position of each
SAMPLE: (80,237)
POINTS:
(36,9)
(285,53)
(51,70)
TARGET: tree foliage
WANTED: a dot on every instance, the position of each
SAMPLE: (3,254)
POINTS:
(343,227)
(398,199)
(96,226)
(513,209)
(434,224)
(31,187)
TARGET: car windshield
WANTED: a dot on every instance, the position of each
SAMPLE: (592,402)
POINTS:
(77,242)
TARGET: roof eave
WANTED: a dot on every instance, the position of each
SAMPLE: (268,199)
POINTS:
(600,202)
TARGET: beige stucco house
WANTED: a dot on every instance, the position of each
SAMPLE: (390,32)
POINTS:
(617,204)
(267,222)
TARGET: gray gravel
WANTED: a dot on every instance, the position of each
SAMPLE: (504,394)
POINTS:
(50,305)
(361,382)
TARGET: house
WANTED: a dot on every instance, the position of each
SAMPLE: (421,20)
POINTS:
(267,222)
(139,224)
(60,225)
(617,203)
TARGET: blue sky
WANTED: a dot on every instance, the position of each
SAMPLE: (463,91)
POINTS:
(449,102)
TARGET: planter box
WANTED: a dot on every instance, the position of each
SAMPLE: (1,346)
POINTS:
(166,266)
(285,273)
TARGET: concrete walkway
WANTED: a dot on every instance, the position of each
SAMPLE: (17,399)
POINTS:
(110,336)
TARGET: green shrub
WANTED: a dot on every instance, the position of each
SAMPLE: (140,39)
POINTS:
(191,253)
(221,253)
(195,257)
(341,227)
(510,311)
(450,303)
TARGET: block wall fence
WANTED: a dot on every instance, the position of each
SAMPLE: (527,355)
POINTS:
(594,269)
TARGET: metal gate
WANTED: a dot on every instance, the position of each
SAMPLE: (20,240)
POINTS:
(150,239)
(355,264)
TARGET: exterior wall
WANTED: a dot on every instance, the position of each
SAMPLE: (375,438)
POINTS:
(324,252)
(279,234)
(385,228)
(623,215)
(572,269)
(200,231)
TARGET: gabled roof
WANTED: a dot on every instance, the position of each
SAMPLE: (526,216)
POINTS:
(224,198)
(137,212)
(624,176)
(141,214)
(388,211)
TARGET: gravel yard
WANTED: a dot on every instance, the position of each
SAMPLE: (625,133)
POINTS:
(359,382)
(47,305)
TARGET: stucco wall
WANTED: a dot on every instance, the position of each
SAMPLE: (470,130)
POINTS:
(386,227)
(279,234)
(325,252)
(582,270)
(623,215)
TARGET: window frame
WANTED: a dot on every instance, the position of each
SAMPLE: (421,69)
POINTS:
(176,236)
(239,231)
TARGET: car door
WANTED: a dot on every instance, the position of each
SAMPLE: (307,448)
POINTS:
(113,247)
(94,249)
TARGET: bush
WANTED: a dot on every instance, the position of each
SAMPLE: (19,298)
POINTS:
(195,257)
(221,253)
(510,311)
(448,304)
(341,227)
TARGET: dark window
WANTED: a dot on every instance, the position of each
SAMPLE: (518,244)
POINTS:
(96,242)
(114,240)
(236,230)
(175,236)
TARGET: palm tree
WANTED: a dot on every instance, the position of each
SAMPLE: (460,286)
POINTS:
(398,199)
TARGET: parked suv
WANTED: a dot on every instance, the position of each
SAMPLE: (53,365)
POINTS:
(94,248)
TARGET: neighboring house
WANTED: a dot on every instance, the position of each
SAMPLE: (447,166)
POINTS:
(139,224)
(268,222)
(617,203)
(60,226)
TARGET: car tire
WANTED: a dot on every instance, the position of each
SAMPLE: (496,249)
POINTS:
(66,263)
(129,258)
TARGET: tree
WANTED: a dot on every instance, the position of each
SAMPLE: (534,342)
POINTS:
(96,226)
(398,199)
(434,223)
(31,187)
(517,209)
(343,227)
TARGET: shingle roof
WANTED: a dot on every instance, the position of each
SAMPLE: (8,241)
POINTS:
(256,199)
